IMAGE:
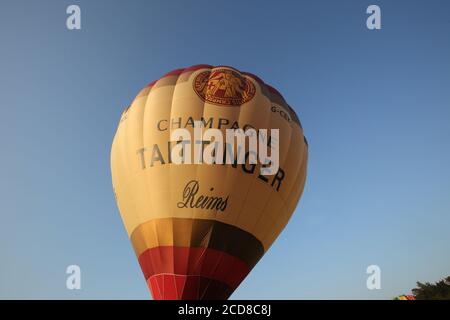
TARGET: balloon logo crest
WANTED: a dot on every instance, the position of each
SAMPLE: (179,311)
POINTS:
(224,87)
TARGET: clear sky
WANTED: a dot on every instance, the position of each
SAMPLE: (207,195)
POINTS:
(375,106)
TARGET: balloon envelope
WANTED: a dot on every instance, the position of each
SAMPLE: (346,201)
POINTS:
(198,229)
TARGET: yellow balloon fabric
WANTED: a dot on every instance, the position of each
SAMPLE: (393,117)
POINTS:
(198,229)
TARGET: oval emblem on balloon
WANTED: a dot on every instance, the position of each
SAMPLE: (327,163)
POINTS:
(224,87)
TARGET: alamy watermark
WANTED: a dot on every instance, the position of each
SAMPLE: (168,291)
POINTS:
(209,146)
(73,21)
(374,280)
(373,22)
(73,281)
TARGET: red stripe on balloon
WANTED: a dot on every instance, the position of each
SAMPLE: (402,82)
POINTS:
(187,287)
(198,261)
(178,72)
(175,72)
(274,91)
(198,67)
(151,84)
(258,79)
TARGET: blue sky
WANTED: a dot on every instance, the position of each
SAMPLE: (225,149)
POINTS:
(375,106)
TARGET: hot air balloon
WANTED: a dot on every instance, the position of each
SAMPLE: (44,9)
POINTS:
(406,297)
(198,229)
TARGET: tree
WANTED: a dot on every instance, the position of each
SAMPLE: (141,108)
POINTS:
(436,291)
